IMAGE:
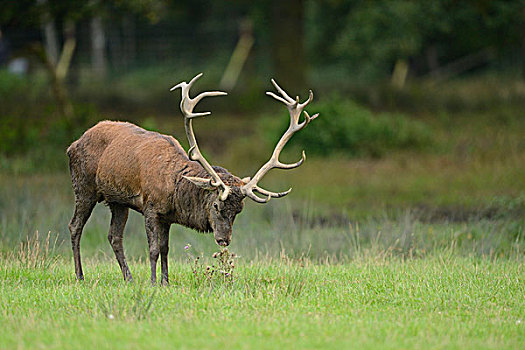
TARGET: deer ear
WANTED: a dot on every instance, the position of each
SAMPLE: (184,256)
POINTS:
(200,182)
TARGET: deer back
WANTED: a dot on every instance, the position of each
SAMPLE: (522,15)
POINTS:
(128,164)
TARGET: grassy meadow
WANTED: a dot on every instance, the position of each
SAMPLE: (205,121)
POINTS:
(412,248)
(442,301)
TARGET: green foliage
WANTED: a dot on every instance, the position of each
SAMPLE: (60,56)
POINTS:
(369,36)
(347,128)
(20,94)
(29,13)
(376,35)
(32,134)
(20,134)
(20,115)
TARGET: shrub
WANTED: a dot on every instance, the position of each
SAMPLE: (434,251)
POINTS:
(347,128)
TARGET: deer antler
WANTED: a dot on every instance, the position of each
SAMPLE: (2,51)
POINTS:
(186,106)
(295,109)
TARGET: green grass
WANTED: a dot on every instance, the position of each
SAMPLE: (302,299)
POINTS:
(443,301)
(303,280)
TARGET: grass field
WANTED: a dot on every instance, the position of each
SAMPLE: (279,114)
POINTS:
(308,277)
(443,301)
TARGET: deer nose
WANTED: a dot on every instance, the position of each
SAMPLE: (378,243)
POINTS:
(222,242)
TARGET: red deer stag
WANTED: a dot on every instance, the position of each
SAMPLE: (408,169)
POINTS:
(128,167)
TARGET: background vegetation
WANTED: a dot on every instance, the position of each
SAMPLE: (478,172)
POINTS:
(405,225)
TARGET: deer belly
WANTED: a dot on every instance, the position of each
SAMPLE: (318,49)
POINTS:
(118,182)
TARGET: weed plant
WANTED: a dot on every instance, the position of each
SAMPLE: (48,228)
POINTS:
(221,268)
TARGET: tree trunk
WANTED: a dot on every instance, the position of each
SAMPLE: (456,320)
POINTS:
(239,56)
(400,73)
(50,35)
(98,47)
(288,44)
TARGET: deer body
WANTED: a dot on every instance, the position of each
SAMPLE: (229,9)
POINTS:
(127,167)
(125,164)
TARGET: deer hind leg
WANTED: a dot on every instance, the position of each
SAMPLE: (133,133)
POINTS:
(119,216)
(83,209)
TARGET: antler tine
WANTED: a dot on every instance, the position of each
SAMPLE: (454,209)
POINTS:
(272,194)
(293,165)
(310,98)
(282,92)
(194,79)
(278,98)
(312,117)
(269,195)
(295,109)
(186,106)
(307,119)
(251,195)
(208,94)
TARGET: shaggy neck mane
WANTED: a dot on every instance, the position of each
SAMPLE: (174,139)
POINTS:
(191,203)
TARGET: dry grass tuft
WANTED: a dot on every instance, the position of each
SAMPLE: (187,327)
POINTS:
(34,252)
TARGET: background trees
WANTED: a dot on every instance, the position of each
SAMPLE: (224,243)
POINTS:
(362,39)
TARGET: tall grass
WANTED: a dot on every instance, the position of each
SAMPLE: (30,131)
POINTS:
(29,205)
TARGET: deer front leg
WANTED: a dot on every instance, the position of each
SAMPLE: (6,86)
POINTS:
(164,248)
(153,227)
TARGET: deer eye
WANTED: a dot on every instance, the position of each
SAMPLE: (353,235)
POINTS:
(216,206)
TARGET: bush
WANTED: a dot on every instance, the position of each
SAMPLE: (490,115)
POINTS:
(347,128)
(19,133)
